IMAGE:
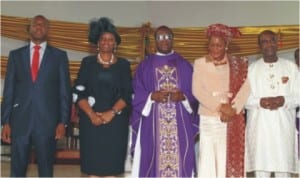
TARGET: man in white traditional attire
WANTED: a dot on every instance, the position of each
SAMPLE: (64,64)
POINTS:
(270,130)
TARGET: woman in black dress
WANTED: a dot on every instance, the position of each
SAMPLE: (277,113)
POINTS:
(102,91)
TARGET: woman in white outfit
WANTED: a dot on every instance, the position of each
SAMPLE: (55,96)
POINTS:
(220,84)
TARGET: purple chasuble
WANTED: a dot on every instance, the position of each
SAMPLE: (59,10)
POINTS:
(167,134)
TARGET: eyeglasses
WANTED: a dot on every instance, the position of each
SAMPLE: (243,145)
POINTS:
(163,37)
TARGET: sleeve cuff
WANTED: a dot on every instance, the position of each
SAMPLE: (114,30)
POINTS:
(147,108)
(187,105)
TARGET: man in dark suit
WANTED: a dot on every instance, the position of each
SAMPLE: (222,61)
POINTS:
(36,101)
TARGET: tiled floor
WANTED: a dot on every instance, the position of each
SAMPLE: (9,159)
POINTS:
(59,170)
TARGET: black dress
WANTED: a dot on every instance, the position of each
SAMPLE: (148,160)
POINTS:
(103,148)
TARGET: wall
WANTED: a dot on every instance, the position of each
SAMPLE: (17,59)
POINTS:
(171,13)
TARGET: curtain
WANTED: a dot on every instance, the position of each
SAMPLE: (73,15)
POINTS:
(137,42)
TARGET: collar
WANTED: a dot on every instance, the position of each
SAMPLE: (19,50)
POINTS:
(163,54)
(42,45)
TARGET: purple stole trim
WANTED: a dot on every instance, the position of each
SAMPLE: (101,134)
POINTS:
(167,141)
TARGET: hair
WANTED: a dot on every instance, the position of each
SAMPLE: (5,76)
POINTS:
(265,32)
(163,27)
(100,26)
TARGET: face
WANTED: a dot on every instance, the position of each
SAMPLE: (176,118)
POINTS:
(216,47)
(268,46)
(164,41)
(107,42)
(39,29)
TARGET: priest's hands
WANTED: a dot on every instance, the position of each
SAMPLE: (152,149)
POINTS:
(177,95)
(272,103)
(163,96)
(160,96)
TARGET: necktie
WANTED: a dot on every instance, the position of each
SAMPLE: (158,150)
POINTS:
(35,62)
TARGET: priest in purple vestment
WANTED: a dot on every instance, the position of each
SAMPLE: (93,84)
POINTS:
(164,120)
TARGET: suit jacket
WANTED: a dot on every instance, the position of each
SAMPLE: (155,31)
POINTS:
(42,104)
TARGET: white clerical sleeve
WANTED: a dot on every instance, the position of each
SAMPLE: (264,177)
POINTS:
(187,106)
(147,108)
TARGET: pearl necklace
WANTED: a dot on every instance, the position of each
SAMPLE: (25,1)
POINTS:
(105,62)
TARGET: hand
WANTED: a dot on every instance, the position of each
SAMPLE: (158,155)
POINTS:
(160,96)
(95,118)
(106,116)
(60,131)
(266,102)
(227,112)
(279,101)
(272,103)
(225,118)
(177,95)
(6,133)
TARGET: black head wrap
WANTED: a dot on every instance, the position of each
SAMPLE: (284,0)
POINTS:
(98,27)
